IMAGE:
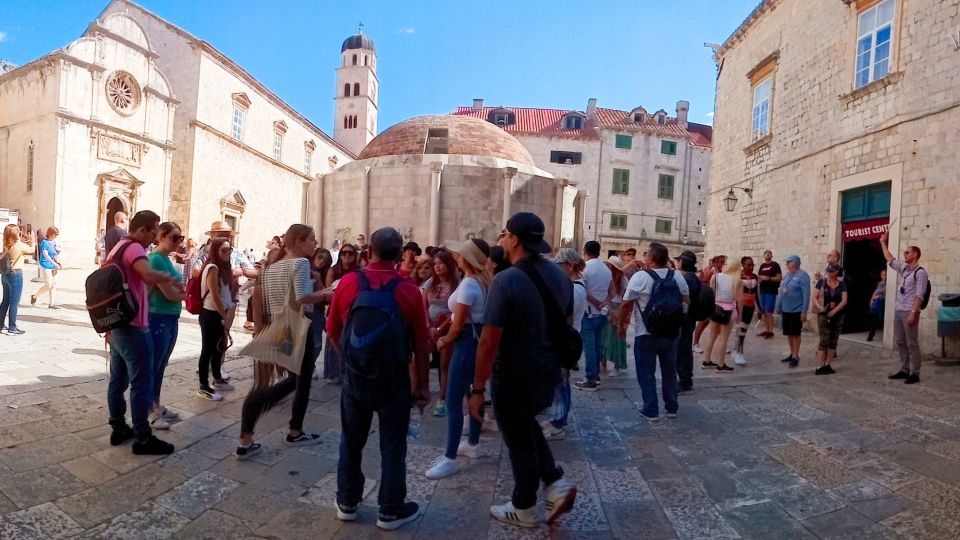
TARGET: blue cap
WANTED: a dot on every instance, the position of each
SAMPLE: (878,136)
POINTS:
(794,259)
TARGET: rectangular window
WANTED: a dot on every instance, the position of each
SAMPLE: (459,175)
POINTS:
(761,108)
(618,222)
(30,168)
(307,158)
(664,226)
(277,145)
(624,141)
(238,115)
(874,37)
(565,158)
(437,141)
(665,186)
(668,147)
(621,182)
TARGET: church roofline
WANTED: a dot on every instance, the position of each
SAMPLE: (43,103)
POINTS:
(237,70)
(764,7)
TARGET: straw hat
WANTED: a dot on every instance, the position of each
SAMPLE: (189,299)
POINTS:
(616,262)
(219,226)
(470,253)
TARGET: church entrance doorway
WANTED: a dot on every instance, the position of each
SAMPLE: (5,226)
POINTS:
(865,216)
(114,205)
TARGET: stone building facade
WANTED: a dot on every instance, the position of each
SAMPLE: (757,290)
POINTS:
(839,117)
(243,155)
(641,177)
(86,131)
(439,179)
(355,109)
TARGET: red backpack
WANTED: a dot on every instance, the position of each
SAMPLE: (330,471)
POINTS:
(194,300)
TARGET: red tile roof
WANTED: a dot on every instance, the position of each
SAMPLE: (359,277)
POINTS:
(550,122)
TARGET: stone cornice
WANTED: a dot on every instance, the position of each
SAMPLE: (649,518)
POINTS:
(70,117)
(96,28)
(246,148)
(154,92)
(758,12)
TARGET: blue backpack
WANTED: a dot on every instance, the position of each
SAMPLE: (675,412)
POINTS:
(663,314)
(374,342)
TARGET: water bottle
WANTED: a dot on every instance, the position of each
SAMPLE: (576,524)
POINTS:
(413,428)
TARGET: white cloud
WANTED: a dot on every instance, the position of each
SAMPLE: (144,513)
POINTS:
(3,37)
(408,30)
(710,114)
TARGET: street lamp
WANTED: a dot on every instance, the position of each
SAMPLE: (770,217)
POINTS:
(730,201)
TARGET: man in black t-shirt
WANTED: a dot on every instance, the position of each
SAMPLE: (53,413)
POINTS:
(116,233)
(770,276)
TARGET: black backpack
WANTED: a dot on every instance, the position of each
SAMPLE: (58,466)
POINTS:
(110,302)
(706,302)
(929,289)
(566,340)
(374,342)
(663,314)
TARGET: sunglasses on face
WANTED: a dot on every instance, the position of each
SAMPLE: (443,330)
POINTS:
(348,253)
(177,238)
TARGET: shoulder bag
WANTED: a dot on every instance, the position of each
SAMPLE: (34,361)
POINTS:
(284,338)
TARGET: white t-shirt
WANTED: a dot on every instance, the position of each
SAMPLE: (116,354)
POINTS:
(469,293)
(579,303)
(226,297)
(639,289)
(596,277)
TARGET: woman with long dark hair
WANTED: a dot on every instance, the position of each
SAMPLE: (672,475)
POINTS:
(436,294)
(166,302)
(348,261)
(217,291)
(291,272)
(321,262)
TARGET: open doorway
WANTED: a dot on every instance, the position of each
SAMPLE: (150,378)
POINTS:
(862,263)
(113,206)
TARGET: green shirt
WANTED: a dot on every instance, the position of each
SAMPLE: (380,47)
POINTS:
(158,302)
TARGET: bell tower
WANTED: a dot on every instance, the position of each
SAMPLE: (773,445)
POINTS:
(355,116)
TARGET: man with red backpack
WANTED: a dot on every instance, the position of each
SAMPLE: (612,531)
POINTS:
(376,319)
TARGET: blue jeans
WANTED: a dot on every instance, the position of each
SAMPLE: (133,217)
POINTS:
(591,329)
(459,378)
(391,398)
(131,364)
(561,401)
(164,330)
(12,290)
(646,351)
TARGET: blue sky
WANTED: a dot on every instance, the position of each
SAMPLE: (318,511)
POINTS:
(435,55)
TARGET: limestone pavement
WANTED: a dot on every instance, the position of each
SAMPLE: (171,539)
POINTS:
(763,452)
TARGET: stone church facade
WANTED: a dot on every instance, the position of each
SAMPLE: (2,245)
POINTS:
(836,120)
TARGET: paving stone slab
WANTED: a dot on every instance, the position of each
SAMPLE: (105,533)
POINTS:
(859,491)
(847,524)
(880,509)
(146,522)
(681,491)
(14,436)
(587,515)
(39,486)
(41,453)
(805,501)
(820,471)
(213,525)
(188,462)
(41,522)
(90,470)
(626,485)
(302,522)
(259,504)
(763,521)
(198,494)
(922,522)
(456,511)
(698,522)
(324,492)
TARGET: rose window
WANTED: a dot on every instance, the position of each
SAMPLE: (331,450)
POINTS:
(123,92)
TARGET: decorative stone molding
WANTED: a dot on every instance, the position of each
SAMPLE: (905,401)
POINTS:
(764,68)
(280,127)
(758,144)
(118,150)
(241,100)
(310,145)
(867,89)
(123,93)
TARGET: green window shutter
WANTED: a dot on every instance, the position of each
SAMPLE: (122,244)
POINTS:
(618,221)
(665,186)
(577,158)
(624,141)
(554,156)
(668,147)
(664,226)
(621,182)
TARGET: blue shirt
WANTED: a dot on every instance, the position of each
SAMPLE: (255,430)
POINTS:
(794,294)
(47,254)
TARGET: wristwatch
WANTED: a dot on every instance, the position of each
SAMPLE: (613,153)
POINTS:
(476,391)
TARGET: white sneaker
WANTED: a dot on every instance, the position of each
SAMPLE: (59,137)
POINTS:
(698,349)
(206,394)
(168,414)
(739,360)
(443,467)
(468,450)
(551,433)
(559,499)
(508,514)
(157,421)
(614,373)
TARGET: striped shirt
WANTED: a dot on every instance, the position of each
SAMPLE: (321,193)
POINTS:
(291,275)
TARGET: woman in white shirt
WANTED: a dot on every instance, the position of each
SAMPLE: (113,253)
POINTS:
(467,303)
(216,284)
(728,289)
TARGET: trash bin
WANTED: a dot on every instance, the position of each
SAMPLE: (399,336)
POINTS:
(948,319)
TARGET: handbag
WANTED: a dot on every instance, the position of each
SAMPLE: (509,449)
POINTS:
(720,315)
(284,338)
(568,345)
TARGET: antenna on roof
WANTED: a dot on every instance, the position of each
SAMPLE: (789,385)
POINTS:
(360,27)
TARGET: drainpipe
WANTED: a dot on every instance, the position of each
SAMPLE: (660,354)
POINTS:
(596,214)
(436,170)
(365,202)
(558,213)
(507,178)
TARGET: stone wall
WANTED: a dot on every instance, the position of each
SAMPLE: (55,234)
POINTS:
(827,136)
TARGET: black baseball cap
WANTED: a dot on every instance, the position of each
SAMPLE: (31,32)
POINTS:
(414,247)
(529,230)
(686,255)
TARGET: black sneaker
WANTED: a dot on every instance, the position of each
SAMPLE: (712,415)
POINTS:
(899,375)
(120,435)
(794,362)
(304,439)
(914,378)
(828,370)
(152,447)
(246,452)
(684,389)
(389,522)
(787,359)
(724,368)
(589,386)
(706,365)
(822,370)
(576,367)
(347,513)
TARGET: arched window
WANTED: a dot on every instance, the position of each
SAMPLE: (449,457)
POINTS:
(356,89)
(346,122)
(346,90)
(365,60)
(354,59)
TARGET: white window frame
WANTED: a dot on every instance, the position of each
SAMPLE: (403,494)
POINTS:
(760,125)
(239,115)
(307,161)
(873,58)
(277,145)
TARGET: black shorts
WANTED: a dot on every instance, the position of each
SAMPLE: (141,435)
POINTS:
(792,325)
(747,314)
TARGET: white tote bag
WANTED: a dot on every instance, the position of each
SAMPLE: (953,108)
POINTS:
(283,340)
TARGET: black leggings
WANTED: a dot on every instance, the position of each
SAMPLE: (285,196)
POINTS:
(261,400)
(211,339)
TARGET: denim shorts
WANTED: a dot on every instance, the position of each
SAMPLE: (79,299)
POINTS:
(768,302)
